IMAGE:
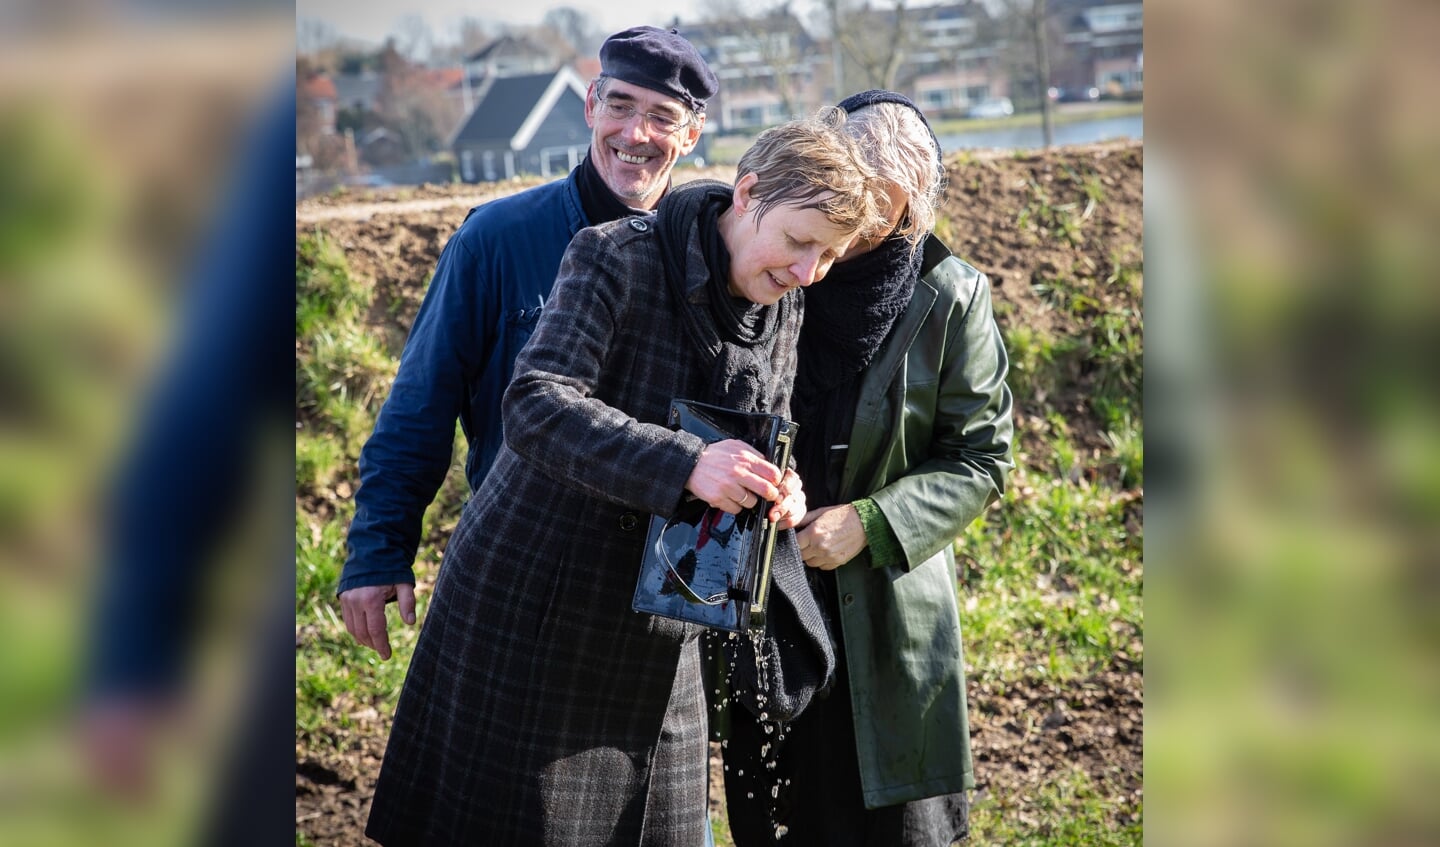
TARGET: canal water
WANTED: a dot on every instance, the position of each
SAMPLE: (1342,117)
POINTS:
(1080,132)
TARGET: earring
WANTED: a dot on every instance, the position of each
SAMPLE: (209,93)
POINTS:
(739,213)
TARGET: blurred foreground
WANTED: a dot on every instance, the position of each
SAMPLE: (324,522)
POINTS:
(139,569)
(1292,207)
(1293,522)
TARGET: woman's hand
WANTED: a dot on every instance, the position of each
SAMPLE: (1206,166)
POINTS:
(831,536)
(732,476)
(791,506)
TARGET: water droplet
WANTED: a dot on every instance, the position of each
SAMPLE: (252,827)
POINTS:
(781,831)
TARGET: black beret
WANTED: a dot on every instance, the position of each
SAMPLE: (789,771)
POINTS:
(856,102)
(660,60)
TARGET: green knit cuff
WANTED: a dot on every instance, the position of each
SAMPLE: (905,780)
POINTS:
(885,549)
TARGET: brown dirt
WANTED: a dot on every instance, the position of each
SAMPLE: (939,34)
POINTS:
(1024,219)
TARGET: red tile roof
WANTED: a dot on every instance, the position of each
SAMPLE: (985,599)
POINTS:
(446,77)
(319,87)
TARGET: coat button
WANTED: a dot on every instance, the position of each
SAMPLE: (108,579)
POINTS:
(849,598)
(628,521)
(639,225)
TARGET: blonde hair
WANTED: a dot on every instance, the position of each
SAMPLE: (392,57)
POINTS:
(812,164)
(898,145)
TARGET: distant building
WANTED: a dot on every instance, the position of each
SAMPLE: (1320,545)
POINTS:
(318,92)
(510,55)
(770,70)
(530,124)
(1103,44)
(359,92)
(953,62)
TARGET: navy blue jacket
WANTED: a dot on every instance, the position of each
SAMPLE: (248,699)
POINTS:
(484,299)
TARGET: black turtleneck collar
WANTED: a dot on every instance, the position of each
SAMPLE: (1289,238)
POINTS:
(599,202)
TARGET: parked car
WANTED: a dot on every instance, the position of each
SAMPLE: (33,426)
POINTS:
(1075,95)
(994,107)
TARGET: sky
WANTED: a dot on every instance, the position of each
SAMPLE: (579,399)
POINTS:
(372,20)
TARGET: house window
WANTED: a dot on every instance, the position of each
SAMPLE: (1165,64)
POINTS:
(467,165)
(1113,18)
(935,98)
(746,117)
(487,165)
(555,161)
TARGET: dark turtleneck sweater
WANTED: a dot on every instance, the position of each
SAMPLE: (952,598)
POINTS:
(599,202)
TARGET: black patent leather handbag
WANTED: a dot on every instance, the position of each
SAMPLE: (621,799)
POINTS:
(703,565)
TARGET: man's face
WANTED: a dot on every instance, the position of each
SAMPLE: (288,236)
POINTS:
(632,156)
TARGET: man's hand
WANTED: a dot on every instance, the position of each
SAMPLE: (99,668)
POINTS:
(364,613)
(120,736)
(831,536)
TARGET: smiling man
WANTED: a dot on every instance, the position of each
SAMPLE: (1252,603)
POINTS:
(646,110)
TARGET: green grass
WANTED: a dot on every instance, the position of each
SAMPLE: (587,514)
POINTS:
(1059,117)
(1072,811)
(1053,582)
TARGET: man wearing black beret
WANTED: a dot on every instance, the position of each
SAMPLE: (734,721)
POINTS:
(646,110)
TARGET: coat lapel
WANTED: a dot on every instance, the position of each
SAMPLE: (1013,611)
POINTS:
(878,382)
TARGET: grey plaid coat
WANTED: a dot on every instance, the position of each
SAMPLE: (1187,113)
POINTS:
(538,708)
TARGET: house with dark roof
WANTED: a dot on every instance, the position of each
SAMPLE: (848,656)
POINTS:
(531,124)
(510,55)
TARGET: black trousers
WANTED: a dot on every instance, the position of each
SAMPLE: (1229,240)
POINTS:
(800,781)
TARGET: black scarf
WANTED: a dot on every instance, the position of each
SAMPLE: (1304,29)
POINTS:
(847,317)
(599,202)
(733,334)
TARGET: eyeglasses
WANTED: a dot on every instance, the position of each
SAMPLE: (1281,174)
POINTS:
(659,124)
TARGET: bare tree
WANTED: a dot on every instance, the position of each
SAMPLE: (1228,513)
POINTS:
(414,39)
(411,105)
(577,28)
(1028,23)
(875,41)
(468,38)
(313,36)
(775,37)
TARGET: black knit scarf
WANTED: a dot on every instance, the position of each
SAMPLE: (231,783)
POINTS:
(732,333)
(847,317)
(599,202)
